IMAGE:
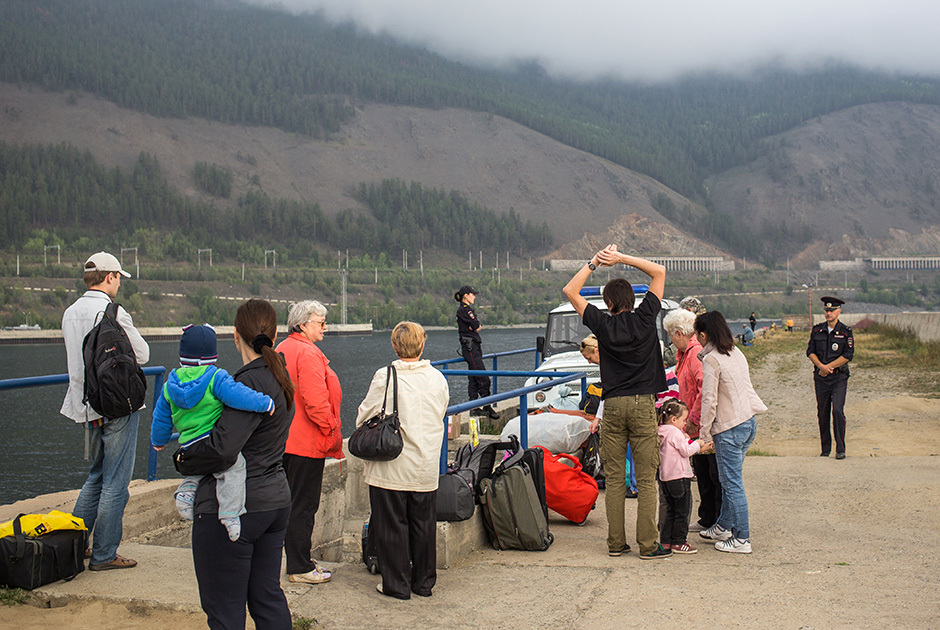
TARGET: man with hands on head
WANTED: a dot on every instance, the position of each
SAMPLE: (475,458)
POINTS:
(631,365)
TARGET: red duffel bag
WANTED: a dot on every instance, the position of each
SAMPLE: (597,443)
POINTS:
(569,491)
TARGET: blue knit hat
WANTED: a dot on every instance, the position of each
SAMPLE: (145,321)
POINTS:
(198,345)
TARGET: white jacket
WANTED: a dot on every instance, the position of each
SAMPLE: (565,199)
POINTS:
(423,397)
(728,398)
(77,322)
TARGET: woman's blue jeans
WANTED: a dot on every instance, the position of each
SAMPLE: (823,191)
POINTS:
(104,495)
(730,448)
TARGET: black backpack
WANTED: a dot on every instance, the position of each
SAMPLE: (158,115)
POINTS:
(115,385)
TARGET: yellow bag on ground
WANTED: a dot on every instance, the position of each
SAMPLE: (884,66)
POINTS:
(38,524)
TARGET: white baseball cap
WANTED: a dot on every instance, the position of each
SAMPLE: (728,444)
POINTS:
(103,261)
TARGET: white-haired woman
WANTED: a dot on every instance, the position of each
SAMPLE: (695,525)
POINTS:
(680,324)
(402,492)
(314,433)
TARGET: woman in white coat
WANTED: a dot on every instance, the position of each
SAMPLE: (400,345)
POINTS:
(402,492)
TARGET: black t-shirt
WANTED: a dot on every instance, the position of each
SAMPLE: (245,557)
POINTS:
(467,323)
(631,357)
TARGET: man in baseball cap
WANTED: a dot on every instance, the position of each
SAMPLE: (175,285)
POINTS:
(103,261)
(112,441)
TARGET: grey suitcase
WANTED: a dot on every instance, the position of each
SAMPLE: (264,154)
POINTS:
(512,510)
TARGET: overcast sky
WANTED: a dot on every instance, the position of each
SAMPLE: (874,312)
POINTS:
(657,39)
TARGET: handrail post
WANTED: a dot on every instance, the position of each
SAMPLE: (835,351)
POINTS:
(444,448)
(538,358)
(495,378)
(523,423)
(583,388)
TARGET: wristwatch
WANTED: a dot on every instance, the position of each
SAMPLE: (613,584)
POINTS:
(592,266)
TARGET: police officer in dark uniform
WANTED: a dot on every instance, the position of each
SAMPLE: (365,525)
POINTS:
(471,347)
(830,348)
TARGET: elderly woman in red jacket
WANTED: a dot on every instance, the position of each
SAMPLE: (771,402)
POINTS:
(314,433)
(680,324)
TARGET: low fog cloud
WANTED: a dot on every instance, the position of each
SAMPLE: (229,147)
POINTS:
(656,40)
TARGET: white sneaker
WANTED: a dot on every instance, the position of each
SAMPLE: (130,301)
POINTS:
(716,532)
(317,576)
(697,527)
(734,545)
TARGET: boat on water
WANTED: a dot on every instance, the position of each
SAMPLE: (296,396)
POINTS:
(23,327)
(561,347)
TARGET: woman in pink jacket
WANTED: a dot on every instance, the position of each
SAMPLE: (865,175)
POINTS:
(729,403)
(314,433)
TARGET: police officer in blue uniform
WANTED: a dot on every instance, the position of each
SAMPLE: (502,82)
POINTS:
(831,347)
(471,347)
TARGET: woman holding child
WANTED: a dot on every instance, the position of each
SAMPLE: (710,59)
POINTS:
(729,403)
(230,573)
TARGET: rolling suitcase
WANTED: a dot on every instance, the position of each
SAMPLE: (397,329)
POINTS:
(513,512)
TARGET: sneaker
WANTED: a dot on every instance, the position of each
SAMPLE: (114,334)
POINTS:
(631,493)
(716,532)
(656,553)
(683,548)
(616,554)
(734,545)
(317,576)
(840,455)
(489,412)
(697,527)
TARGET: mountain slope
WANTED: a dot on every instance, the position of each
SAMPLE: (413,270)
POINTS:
(858,175)
(497,163)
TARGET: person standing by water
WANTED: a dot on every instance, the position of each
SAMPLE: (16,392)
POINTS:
(233,574)
(402,492)
(113,441)
(753,321)
(631,365)
(314,433)
(471,347)
(831,347)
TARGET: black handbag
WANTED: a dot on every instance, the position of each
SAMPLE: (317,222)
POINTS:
(379,438)
(30,562)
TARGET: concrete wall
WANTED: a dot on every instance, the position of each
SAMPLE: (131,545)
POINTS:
(925,325)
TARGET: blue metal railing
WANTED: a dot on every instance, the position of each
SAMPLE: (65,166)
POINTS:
(495,356)
(557,378)
(158,372)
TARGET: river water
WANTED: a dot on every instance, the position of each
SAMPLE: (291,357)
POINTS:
(42,450)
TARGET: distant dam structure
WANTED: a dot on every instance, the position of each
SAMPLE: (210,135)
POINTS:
(881,262)
(671,263)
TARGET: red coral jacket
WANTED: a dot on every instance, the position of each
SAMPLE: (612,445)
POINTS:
(315,429)
(689,373)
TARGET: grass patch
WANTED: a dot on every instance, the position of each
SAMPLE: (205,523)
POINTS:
(778,342)
(12,596)
(918,362)
(304,623)
(759,452)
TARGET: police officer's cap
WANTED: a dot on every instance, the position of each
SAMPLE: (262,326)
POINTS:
(464,290)
(831,303)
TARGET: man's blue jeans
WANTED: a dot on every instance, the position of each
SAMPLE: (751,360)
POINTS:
(104,495)
(730,448)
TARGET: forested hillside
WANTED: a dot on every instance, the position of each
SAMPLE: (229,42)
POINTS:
(235,63)
(61,195)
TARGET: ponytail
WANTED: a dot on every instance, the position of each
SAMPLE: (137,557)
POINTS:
(256,323)
(671,408)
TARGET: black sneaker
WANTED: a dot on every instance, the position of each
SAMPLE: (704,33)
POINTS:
(617,554)
(656,553)
(489,411)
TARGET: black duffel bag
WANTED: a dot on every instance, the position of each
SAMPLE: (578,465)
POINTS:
(30,562)
(456,499)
